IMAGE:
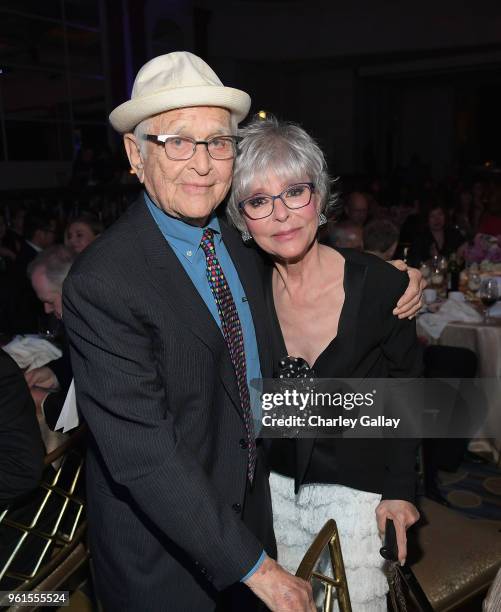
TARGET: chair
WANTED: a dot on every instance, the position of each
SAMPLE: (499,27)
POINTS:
(328,537)
(460,556)
(43,538)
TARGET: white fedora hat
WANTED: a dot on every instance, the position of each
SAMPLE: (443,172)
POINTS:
(176,80)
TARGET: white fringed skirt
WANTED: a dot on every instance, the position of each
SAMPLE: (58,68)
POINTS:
(297,519)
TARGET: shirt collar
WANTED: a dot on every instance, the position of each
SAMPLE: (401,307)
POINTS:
(181,235)
(34,246)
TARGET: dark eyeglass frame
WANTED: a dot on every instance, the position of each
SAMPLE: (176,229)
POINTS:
(241,205)
(162,139)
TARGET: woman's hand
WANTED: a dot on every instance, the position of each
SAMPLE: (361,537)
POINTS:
(403,514)
(412,300)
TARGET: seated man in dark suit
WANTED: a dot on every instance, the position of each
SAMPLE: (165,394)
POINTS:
(21,447)
(49,384)
(23,307)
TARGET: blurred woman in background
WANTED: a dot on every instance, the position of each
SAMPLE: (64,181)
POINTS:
(436,237)
(82,231)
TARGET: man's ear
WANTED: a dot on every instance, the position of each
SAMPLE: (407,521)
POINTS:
(134,154)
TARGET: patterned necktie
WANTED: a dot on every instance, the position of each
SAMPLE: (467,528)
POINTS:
(232,332)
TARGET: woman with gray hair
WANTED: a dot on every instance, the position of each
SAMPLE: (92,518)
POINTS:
(332,308)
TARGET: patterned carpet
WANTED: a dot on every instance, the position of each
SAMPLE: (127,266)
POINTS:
(474,489)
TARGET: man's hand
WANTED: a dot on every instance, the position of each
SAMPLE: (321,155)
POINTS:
(280,590)
(412,300)
(38,395)
(403,514)
(41,377)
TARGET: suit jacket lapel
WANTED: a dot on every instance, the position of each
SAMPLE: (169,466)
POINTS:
(173,284)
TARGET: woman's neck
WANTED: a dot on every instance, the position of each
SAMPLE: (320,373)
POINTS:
(295,276)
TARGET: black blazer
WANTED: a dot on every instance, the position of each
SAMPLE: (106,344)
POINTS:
(21,447)
(23,308)
(371,343)
(167,462)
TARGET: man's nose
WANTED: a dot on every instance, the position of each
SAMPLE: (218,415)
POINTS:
(201,160)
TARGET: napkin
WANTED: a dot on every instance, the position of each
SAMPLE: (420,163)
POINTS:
(68,418)
(30,351)
(451,310)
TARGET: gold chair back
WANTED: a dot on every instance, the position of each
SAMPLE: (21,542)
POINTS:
(43,539)
(328,537)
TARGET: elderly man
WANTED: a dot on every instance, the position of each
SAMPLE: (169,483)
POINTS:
(167,324)
(49,384)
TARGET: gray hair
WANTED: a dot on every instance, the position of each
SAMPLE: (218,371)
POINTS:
(286,150)
(140,132)
(56,262)
(144,127)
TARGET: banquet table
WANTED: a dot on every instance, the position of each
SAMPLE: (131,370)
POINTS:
(485,341)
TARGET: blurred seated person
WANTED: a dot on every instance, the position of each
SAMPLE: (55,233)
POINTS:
(21,447)
(15,232)
(82,231)
(7,254)
(345,234)
(380,237)
(406,216)
(49,384)
(490,222)
(356,208)
(7,259)
(22,310)
(39,234)
(435,237)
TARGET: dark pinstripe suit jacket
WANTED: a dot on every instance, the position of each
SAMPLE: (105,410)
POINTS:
(166,468)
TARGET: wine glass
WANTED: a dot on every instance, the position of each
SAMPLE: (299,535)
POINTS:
(49,327)
(437,279)
(425,270)
(443,264)
(488,294)
(474,281)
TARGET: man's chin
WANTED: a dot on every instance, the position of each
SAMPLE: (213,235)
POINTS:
(200,220)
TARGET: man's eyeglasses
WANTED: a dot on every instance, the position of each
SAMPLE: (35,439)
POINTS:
(261,205)
(181,148)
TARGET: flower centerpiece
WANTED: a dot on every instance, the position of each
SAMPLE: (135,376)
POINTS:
(485,251)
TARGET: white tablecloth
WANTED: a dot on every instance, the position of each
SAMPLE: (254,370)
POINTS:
(485,342)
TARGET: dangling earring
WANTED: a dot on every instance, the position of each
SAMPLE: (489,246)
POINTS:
(322,219)
(246,237)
